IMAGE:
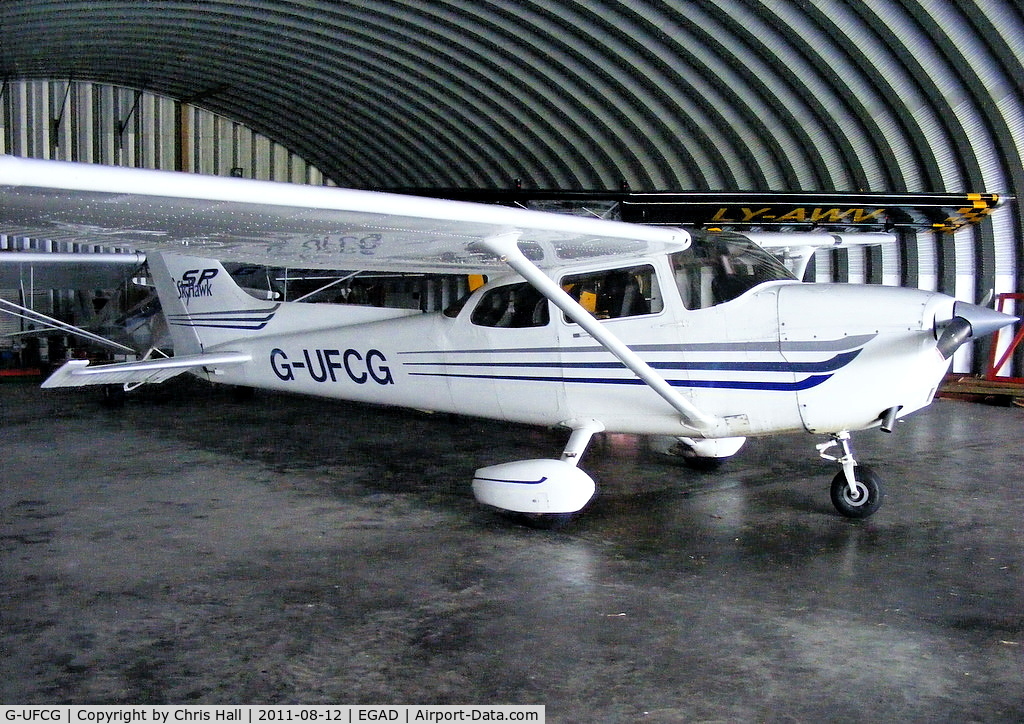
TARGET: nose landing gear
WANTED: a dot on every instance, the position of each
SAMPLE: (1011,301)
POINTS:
(856,490)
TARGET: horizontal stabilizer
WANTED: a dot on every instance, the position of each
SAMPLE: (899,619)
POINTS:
(818,240)
(795,249)
(78,372)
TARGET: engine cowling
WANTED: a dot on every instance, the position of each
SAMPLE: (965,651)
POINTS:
(534,486)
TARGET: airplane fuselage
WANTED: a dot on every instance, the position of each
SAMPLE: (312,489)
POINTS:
(782,356)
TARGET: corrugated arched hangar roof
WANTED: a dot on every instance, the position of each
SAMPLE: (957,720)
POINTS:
(781,95)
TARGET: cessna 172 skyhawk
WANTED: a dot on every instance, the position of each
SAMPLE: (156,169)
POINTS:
(587,324)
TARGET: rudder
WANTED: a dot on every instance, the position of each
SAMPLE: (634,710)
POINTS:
(203,305)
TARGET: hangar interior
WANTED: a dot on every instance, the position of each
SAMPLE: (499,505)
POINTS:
(595,99)
(689,597)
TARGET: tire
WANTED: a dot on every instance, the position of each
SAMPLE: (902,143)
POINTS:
(869,487)
(113,396)
(546,521)
(704,465)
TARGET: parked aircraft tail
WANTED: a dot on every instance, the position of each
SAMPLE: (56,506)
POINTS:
(203,305)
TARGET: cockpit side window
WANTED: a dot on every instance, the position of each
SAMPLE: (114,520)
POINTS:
(616,293)
(718,270)
(513,305)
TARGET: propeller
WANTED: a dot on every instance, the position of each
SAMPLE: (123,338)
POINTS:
(969,321)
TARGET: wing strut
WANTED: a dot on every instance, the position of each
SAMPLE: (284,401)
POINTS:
(506,248)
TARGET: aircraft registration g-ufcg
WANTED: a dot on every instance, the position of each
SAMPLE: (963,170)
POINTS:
(586,324)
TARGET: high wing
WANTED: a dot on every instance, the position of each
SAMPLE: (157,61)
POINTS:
(280,224)
(318,227)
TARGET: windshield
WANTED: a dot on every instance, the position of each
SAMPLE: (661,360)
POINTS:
(719,268)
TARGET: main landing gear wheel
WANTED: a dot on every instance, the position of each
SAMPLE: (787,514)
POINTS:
(706,455)
(541,493)
(703,465)
(865,497)
(546,521)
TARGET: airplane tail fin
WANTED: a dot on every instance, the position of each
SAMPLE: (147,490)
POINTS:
(203,305)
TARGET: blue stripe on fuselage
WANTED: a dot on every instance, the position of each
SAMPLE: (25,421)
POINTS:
(816,372)
(830,365)
(803,384)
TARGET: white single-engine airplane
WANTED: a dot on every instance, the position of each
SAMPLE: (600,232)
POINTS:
(583,323)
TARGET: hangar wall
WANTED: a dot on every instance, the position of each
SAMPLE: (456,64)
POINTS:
(98,123)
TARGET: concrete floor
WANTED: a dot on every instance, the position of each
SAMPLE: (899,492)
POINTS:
(191,548)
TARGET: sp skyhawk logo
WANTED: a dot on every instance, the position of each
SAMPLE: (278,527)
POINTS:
(195,283)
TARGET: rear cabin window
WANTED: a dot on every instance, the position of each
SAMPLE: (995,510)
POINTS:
(616,293)
(718,270)
(514,305)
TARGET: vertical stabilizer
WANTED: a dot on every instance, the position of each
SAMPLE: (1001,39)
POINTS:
(203,305)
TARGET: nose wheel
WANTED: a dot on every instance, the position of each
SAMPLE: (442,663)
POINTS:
(861,499)
(856,490)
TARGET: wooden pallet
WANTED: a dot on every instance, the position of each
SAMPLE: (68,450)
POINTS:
(977,389)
